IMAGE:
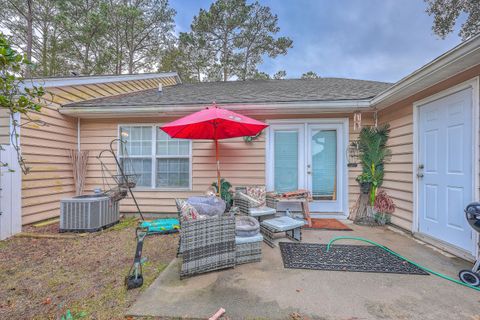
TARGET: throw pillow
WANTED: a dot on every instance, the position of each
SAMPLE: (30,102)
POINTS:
(258,193)
(188,212)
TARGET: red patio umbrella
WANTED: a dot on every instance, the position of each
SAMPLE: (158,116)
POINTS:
(213,123)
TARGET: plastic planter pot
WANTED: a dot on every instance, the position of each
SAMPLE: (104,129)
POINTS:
(382,218)
(365,187)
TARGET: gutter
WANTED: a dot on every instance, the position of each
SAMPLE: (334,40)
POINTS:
(84,80)
(333,106)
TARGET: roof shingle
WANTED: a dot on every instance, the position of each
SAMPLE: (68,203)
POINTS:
(253,91)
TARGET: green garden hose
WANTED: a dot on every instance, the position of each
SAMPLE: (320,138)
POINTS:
(401,257)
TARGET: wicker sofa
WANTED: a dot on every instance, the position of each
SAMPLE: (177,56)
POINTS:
(206,245)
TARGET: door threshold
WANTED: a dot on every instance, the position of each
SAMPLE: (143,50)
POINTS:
(442,245)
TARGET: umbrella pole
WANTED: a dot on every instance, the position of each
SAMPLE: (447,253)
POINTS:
(218,169)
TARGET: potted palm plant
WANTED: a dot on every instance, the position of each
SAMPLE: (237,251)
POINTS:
(374,153)
(226,192)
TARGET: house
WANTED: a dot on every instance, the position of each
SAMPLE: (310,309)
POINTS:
(433,113)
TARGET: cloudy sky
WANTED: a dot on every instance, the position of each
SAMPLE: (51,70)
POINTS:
(381,40)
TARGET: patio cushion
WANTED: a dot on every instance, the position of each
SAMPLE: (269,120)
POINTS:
(283,223)
(208,206)
(246,226)
(261,211)
(258,193)
(243,240)
(188,212)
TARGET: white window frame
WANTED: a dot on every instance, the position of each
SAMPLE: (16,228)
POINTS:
(153,156)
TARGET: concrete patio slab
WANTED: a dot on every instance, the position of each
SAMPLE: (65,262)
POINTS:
(266,290)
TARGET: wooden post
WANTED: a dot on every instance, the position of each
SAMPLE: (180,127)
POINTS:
(219,185)
(306,212)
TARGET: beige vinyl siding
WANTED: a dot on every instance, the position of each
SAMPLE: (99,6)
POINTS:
(4,127)
(241,163)
(45,148)
(399,171)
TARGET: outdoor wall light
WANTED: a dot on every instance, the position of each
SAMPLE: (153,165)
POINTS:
(353,153)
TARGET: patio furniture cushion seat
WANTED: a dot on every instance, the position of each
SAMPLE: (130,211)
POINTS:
(282,224)
(243,240)
(208,206)
(261,211)
(246,226)
(291,227)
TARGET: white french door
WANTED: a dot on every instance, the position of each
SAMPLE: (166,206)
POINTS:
(309,155)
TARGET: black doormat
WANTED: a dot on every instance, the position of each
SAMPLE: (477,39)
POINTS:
(344,258)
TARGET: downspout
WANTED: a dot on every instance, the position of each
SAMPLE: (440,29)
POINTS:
(78,134)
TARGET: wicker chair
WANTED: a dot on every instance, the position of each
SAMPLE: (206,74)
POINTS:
(206,245)
(248,208)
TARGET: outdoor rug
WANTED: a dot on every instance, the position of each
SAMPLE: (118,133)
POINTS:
(352,258)
(328,224)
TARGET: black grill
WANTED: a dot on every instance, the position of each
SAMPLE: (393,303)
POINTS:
(472,213)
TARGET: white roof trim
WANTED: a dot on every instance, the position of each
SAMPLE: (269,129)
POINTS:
(335,106)
(462,57)
(83,80)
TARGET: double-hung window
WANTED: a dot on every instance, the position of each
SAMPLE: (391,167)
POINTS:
(160,161)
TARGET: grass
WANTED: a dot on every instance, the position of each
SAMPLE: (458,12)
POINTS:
(44,278)
(130,222)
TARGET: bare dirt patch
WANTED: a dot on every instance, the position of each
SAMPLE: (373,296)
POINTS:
(43,278)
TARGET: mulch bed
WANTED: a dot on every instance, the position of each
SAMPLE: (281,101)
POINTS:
(352,258)
(42,278)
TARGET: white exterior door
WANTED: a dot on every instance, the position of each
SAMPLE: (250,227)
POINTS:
(309,155)
(445,169)
(10,193)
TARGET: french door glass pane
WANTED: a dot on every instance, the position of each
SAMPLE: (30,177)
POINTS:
(324,164)
(286,160)
(173,172)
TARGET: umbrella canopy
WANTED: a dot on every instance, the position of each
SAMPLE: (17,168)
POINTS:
(213,123)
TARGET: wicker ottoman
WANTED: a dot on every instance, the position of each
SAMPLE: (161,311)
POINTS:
(248,249)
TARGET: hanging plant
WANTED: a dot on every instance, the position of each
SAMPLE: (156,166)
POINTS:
(15,96)
(373,155)
(251,138)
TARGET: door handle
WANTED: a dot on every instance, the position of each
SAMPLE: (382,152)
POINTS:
(309,172)
(420,168)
